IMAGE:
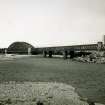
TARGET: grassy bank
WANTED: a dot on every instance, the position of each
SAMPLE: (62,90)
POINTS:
(88,79)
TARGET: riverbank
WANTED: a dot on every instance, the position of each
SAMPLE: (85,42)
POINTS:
(88,79)
(4,57)
(85,59)
(98,60)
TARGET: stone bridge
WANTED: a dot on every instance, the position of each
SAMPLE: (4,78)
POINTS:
(74,50)
(71,50)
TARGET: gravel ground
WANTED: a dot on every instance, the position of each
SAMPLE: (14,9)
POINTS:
(32,93)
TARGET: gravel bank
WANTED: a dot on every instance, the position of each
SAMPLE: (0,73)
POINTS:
(32,93)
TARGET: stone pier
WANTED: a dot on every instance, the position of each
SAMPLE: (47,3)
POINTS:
(29,51)
(99,46)
(65,54)
(50,54)
(5,51)
(44,53)
(71,53)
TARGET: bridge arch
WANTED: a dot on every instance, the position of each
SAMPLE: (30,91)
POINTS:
(20,48)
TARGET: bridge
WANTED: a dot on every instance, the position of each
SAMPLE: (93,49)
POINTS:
(71,50)
(74,50)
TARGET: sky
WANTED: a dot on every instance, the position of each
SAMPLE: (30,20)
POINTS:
(52,22)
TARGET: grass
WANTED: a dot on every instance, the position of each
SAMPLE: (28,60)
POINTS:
(88,79)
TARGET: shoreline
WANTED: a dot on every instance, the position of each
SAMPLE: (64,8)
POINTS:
(99,60)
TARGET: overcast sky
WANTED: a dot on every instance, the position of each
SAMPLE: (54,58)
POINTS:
(52,22)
